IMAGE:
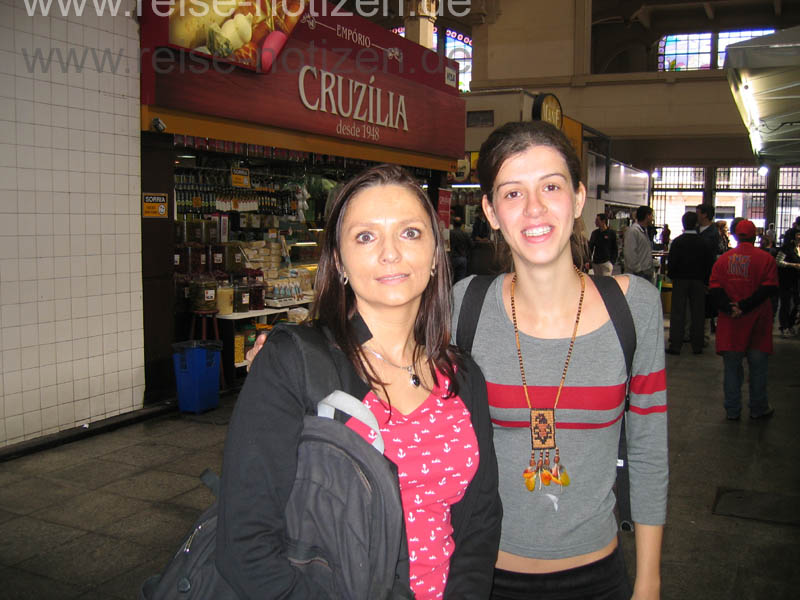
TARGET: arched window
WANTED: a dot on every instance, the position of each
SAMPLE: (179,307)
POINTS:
(694,51)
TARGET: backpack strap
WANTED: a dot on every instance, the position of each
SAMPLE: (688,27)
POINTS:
(346,403)
(471,305)
(621,318)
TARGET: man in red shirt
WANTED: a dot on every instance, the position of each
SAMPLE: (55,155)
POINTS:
(742,282)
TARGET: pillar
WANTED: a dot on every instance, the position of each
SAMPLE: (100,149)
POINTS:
(420,15)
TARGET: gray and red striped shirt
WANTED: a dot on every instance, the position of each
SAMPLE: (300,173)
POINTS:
(554,522)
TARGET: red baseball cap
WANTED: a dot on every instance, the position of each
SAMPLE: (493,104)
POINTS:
(745,228)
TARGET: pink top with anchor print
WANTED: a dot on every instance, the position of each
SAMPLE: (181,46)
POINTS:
(436,454)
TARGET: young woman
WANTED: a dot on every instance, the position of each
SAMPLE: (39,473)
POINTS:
(556,377)
(383,298)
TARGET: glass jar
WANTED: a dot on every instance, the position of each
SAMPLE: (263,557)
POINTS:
(241,298)
(256,295)
(203,294)
(225,299)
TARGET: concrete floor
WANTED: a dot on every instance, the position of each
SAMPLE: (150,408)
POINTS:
(91,519)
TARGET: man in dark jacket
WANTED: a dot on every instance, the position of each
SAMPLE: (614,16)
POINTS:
(688,266)
(603,246)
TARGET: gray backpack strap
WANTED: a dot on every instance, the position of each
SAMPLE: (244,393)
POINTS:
(343,402)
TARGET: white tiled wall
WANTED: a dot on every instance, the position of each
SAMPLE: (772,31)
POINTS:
(71,332)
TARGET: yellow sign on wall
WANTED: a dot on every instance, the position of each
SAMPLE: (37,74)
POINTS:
(240,177)
(574,131)
(154,206)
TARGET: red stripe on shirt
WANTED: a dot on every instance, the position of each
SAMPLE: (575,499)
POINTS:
(560,424)
(650,383)
(606,397)
(661,408)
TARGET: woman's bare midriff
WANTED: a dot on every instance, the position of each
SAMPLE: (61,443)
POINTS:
(522,564)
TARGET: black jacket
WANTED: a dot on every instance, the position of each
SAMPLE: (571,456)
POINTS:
(603,246)
(690,257)
(260,462)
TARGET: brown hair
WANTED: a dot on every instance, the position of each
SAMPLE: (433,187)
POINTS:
(516,137)
(335,304)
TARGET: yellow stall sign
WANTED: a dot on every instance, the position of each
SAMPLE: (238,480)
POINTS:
(240,177)
(154,206)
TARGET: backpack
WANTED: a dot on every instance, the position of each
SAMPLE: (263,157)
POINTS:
(621,318)
(358,552)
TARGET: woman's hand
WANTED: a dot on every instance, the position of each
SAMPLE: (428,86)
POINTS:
(251,354)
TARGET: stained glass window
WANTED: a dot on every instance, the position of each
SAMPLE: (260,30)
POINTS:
(693,51)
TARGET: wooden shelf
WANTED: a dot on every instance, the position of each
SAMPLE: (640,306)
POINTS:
(254,313)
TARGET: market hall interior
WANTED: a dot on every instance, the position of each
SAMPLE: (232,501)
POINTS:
(88,292)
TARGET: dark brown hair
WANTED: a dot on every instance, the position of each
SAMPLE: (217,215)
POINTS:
(516,137)
(335,304)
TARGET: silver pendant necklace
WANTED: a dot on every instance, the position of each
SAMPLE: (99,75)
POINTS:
(413,377)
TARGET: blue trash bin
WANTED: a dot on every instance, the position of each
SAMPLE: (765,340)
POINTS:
(197,374)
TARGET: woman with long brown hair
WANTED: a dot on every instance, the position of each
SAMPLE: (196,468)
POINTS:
(383,301)
(556,377)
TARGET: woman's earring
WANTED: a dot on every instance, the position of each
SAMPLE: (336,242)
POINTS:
(343,278)
(433,269)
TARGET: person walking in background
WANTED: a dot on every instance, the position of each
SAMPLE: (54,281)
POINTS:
(666,233)
(688,266)
(603,246)
(788,261)
(637,249)
(706,227)
(724,241)
(460,244)
(710,235)
(790,233)
(771,234)
(742,282)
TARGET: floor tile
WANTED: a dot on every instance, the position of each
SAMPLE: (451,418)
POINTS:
(33,493)
(146,454)
(89,559)
(195,463)
(198,437)
(159,526)
(25,537)
(155,486)
(199,498)
(20,585)
(93,473)
(92,510)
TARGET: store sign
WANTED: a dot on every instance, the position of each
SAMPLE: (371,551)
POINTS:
(154,206)
(363,107)
(342,77)
(240,177)
(546,107)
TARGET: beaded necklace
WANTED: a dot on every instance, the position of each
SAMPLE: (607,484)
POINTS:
(543,420)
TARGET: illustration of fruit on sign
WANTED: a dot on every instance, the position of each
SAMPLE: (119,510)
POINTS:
(235,30)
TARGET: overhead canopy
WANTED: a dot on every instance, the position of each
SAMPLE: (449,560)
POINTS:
(764,75)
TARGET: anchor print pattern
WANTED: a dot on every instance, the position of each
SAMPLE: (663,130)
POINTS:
(436,453)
